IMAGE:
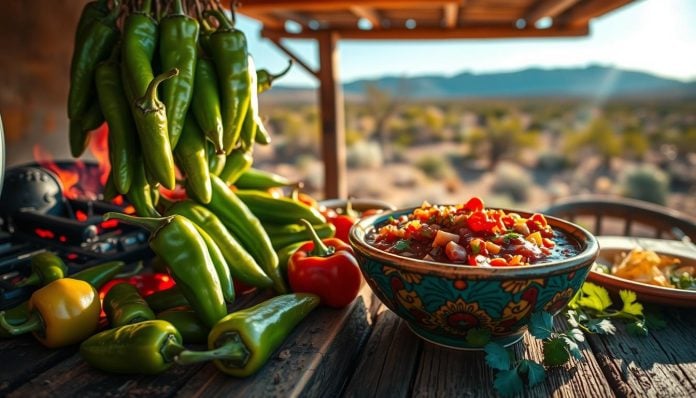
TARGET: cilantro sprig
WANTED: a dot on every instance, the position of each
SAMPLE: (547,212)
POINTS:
(589,312)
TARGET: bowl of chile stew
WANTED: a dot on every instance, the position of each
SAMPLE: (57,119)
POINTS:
(456,273)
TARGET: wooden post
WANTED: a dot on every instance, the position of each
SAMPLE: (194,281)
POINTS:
(332,118)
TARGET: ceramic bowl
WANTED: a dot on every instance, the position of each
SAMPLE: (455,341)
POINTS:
(443,303)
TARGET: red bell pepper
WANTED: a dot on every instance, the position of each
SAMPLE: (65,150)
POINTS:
(327,268)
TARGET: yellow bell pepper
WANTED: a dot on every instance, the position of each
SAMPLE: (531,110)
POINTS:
(64,312)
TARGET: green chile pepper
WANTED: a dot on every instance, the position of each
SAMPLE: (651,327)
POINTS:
(242,265)
(177,241)
(284,255)
(283,235)
(265,79)
(282,210)
(220,264)
(92,12)
(99,39)
(252,121)
(96,276)
(191,157)
(177,48)
(139,44)
(148,347)
(262,135)
(236,163)
(123,305)
(228,49)
(251,335)
(216,162)
(45,267)
(140,192)
(163,300)
(189,325)
(206,103)
(151,121)
(109,192)
(253,178)
(80,129)
(122,136)
(243,224)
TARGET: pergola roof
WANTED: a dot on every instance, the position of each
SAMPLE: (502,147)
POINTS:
(328,21)
(427,19)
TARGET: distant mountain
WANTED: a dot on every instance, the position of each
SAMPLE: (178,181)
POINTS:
(592,81)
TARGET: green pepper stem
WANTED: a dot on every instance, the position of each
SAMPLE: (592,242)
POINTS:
(272,77)
(34,323)
(178,8)
(232,351)
(149,101)
(150,224)
(320,248)
(225,24)
(31,280)
(147,7)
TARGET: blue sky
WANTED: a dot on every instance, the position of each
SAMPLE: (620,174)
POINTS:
(657,36)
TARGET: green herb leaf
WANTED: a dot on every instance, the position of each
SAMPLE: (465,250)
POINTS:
(478,337)
(630,305)
(555,352)
(637,329)
(508,383)
(541,325)
(601,326)
(497,357)
(401,245)
(573,348)
(594,297)
(535,372)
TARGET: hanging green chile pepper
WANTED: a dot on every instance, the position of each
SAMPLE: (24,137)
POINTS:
(177,241)
(122,136)
(148,347)
(191,157)
(96,276)
(253,334)
(91,13)
(64,312)
(80,129)
(253,178)
(109,192)
(140,192)
(252,121)
(228,49)
(139,44)
(265,79)
(206,103)
(243,224)
(282,210)
(283,235)
(124,305)
(242,265)
(216,162)
(236,163)
(262,135)
(220,264)
(151,121)
(96,46)
(177,47)
(189,325)
(45,267)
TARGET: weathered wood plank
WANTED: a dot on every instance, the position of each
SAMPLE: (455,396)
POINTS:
(74,377)
(661,364)
(23,358)
(388,361)
(314,361)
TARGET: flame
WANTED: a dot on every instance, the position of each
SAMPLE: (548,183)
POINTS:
(99,146)
(69,178)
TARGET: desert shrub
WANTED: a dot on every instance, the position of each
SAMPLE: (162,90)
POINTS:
(364,154)
(434,166)
(512,180)
(645,182)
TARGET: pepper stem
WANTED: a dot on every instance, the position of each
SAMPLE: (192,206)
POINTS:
(178,8)
(150,224)
(320,248)
(225,24)
(31,280)
(282,73)
(34,323)
(233,352)
(149,101)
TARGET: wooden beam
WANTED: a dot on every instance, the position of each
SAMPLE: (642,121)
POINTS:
(276,40)
(270,21)
(583,12)
(333,137)
(257,6)
(450,15)
(368,13)
(470,32)
(547,8)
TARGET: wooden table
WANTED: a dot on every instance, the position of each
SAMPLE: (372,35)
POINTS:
(365,350)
